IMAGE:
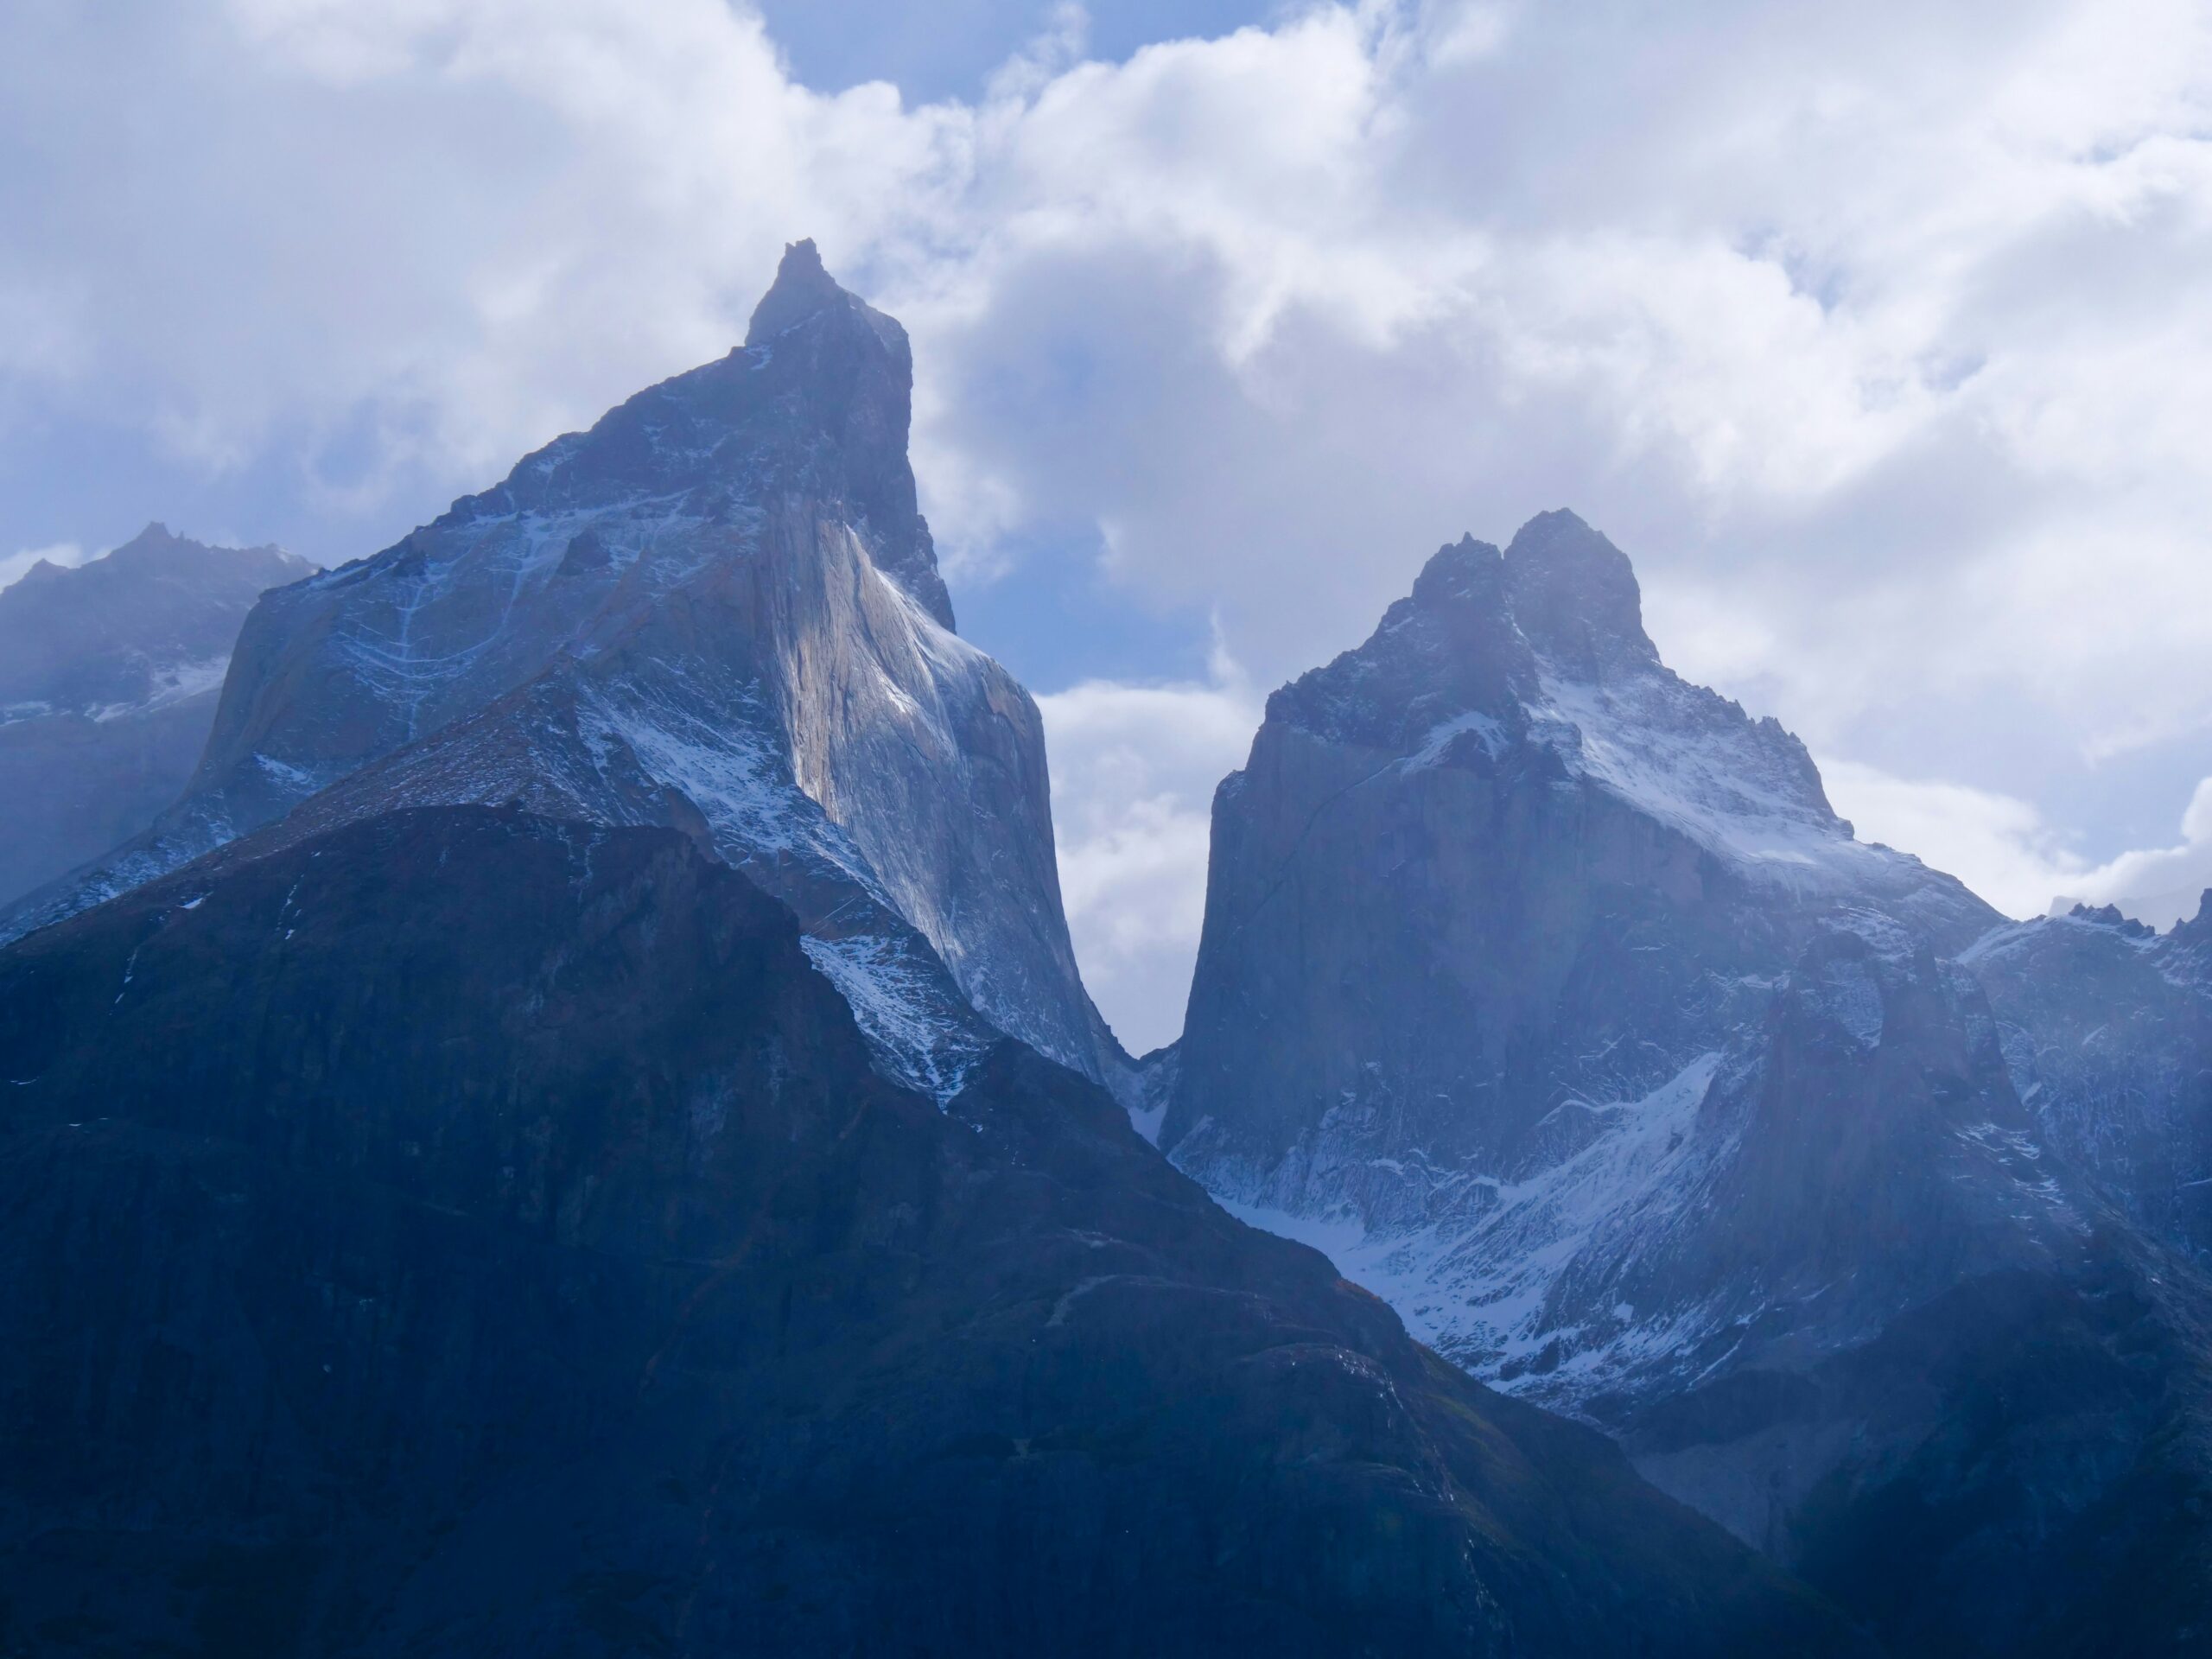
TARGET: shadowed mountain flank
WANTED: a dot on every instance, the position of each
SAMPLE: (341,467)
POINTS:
(523,1255)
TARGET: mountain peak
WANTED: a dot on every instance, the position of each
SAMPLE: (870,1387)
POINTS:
(1575,595)
(2111,915)
(155,560)
(110,675)
(803,288)
(717,607)
(157,542)
(1466,569)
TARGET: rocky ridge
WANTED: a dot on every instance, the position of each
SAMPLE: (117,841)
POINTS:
(717,610)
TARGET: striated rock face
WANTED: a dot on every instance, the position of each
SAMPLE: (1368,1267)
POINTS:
(1547,992)
(717,610)
(521,1255)
(109,674)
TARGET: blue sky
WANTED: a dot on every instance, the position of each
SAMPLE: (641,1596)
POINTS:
(77,479)
(949,50)
(1874,336)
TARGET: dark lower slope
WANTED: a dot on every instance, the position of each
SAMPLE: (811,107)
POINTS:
(467,1233)
(2020,1466)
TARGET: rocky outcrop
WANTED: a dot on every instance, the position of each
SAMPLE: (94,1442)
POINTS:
(521,1255)
(718,610)
(1549,993)
(1499,902)
(109,674)
(2106,1027)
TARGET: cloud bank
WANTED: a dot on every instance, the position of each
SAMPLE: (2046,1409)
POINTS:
(1872,334)
(2004,849)
(1133,772)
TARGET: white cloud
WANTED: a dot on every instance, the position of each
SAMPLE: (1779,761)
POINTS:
(1897,309)
(2003,848)
(1874,333)
(14,565)
(460,226)
(1998,845)
(1133,771)
(2161,885)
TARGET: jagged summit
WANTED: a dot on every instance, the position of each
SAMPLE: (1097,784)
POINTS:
(802,289)
(2198,932)
(1546,992)
(158,547)
(1462,572)
(718,609)
(157,538)
(158,551)
(1574,595)
(104,633)
(1540,648)
(820,411)
(2111,915)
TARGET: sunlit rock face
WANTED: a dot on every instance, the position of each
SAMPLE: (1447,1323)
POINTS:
(718,609)
(109,676)
(1547,992)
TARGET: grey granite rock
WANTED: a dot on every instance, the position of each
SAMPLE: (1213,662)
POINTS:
(1547,992)
(718,609)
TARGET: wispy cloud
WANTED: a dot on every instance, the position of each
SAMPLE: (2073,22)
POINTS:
(13,565)
(1134,772)
(2005,850)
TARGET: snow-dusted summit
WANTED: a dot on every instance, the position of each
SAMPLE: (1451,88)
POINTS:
(1548,993)
(717,609)
(1501,912)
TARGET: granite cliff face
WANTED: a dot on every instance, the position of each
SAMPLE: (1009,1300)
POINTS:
(109,676)
(1547,992)
(718,610)
(465,1232)
(1506,923)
